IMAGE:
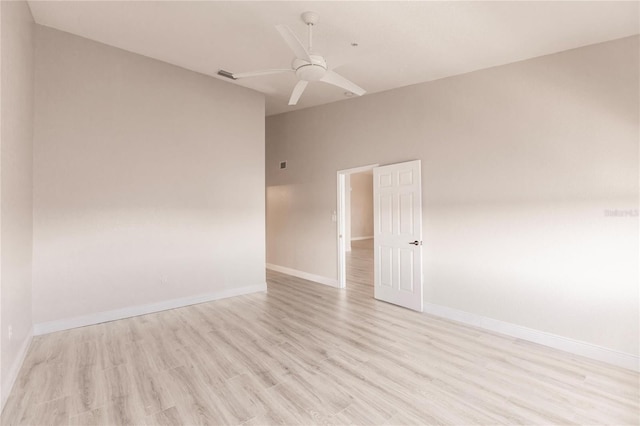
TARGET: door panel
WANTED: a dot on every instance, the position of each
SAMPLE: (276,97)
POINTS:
(386,266)
(406,214)
(406,264)
(385,218)
(398,223)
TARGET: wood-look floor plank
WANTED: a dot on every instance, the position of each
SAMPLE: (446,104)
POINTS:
(305,353)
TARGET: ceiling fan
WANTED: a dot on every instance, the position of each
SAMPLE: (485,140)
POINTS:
(307,66)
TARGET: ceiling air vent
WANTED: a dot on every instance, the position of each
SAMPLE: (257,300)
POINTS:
(226,74)
(283,164)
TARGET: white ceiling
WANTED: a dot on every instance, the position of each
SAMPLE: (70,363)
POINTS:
(400,43)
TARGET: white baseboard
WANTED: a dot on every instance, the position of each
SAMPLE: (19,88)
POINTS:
(588,350)
(132,311)
(361,238)
(333,282)
(10,380)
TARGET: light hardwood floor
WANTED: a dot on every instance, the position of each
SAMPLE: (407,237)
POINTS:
(305,353)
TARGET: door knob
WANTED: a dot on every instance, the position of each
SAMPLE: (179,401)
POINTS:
(415,243)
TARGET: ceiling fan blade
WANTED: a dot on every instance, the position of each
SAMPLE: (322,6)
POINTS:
(294,44)
(297,92)
(259,73)
(336,79)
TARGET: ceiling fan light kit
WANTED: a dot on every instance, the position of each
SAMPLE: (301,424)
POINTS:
(308,67)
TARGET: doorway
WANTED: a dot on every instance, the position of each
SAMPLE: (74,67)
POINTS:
(355,222)
(396,254)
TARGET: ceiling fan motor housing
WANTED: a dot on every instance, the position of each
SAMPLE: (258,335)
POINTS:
(310,71)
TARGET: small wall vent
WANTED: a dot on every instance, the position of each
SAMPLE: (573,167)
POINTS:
(283,164)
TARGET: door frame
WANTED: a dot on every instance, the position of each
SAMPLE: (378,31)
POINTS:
(341,219)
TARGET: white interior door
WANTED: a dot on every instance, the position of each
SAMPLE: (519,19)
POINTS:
(397,216)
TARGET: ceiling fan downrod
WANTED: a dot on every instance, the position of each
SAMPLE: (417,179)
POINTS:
(310,19)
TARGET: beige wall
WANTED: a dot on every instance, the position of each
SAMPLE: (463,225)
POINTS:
(361,205)
(148,184)
(519,164)
(15,190)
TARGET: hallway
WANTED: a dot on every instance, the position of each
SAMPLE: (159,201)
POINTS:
(360,267)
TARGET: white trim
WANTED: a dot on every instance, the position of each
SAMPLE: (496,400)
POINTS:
(304,275)
(132,311)
(7,384)
(358,169)
(577,347)
(370,237)
(341,246)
